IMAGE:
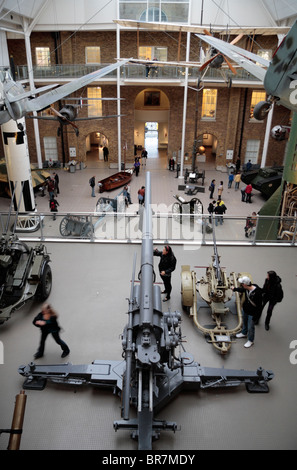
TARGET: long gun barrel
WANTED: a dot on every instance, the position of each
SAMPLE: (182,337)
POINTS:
(216,258)
(129,351)
(142,337)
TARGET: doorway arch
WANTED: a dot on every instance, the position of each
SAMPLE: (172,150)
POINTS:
(210,143)
(151,106)
(95,141)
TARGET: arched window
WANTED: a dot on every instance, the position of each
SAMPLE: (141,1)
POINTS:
(153,14)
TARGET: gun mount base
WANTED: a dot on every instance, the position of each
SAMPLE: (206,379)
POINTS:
(34,383)
(148,434)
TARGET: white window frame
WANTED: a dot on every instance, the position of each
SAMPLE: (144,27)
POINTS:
(153,52)
(43,56)
(89,50)
(252,151)
(50,148)
(94,94)
(209,104)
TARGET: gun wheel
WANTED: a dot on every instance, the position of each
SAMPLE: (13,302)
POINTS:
(63,227)
(45,286)
(176,210)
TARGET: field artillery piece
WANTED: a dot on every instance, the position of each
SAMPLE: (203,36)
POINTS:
(193,176)
(183,207)
(215,290)
(155,368)
(75,225)
(81,226)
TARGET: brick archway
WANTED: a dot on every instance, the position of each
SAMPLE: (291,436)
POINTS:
(151,105)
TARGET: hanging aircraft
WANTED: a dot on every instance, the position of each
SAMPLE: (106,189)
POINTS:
(215,60)
(15,103)
(69,113)
(278,76)
(220,49)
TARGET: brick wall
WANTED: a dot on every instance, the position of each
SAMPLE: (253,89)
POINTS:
(232,126)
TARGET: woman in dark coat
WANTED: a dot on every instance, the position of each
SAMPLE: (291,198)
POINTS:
(46,320)
(272,293)
(166,267)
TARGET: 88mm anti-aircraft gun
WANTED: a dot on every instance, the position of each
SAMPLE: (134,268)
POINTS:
(215,289)
(155,368)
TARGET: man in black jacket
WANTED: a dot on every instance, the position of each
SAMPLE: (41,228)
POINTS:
(166,267)
(252,305)
(46,320)
(272,293)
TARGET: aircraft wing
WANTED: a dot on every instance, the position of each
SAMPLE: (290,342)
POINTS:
(99,117)
(53,118)
(26,94)
(159,63)
(242,57)
(52,96)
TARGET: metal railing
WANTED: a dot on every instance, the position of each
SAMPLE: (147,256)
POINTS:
(167,228)
(129,71)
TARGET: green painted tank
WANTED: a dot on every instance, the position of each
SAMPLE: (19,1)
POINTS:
(266,180)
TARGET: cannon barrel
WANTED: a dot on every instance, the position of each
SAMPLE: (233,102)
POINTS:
(216,258)
(129,352)
(147,266)
(145,342)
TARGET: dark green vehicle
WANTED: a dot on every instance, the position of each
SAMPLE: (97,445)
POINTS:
(266,180)
(24,273)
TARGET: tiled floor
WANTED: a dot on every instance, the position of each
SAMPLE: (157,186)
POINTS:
(91,283)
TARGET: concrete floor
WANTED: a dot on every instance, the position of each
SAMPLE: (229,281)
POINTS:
(91,283)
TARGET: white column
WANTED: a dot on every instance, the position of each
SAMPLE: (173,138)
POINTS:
(16,151)
(4,59)
(267,135)
(32,86)
(119,91)
(185,95)
(185,109)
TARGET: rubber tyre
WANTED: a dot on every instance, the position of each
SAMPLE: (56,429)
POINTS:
(261,110)
(45,286)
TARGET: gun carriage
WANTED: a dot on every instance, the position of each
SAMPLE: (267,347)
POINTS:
(75,225)
(81,226)
(215,290)
(155,367)
(25,272)
(183,207)
(194,176)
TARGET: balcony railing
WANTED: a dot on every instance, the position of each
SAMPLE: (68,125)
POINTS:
(173,228)
(130,71)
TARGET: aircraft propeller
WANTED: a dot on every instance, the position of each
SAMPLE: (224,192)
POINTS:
(220,55)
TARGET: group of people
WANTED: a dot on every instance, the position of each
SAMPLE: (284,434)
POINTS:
(136,166)
(255,298)
(246,193)
(254,302)
(53,191)
(218,209)
(212,188)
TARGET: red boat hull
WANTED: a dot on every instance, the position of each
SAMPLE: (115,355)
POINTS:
(114,181)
